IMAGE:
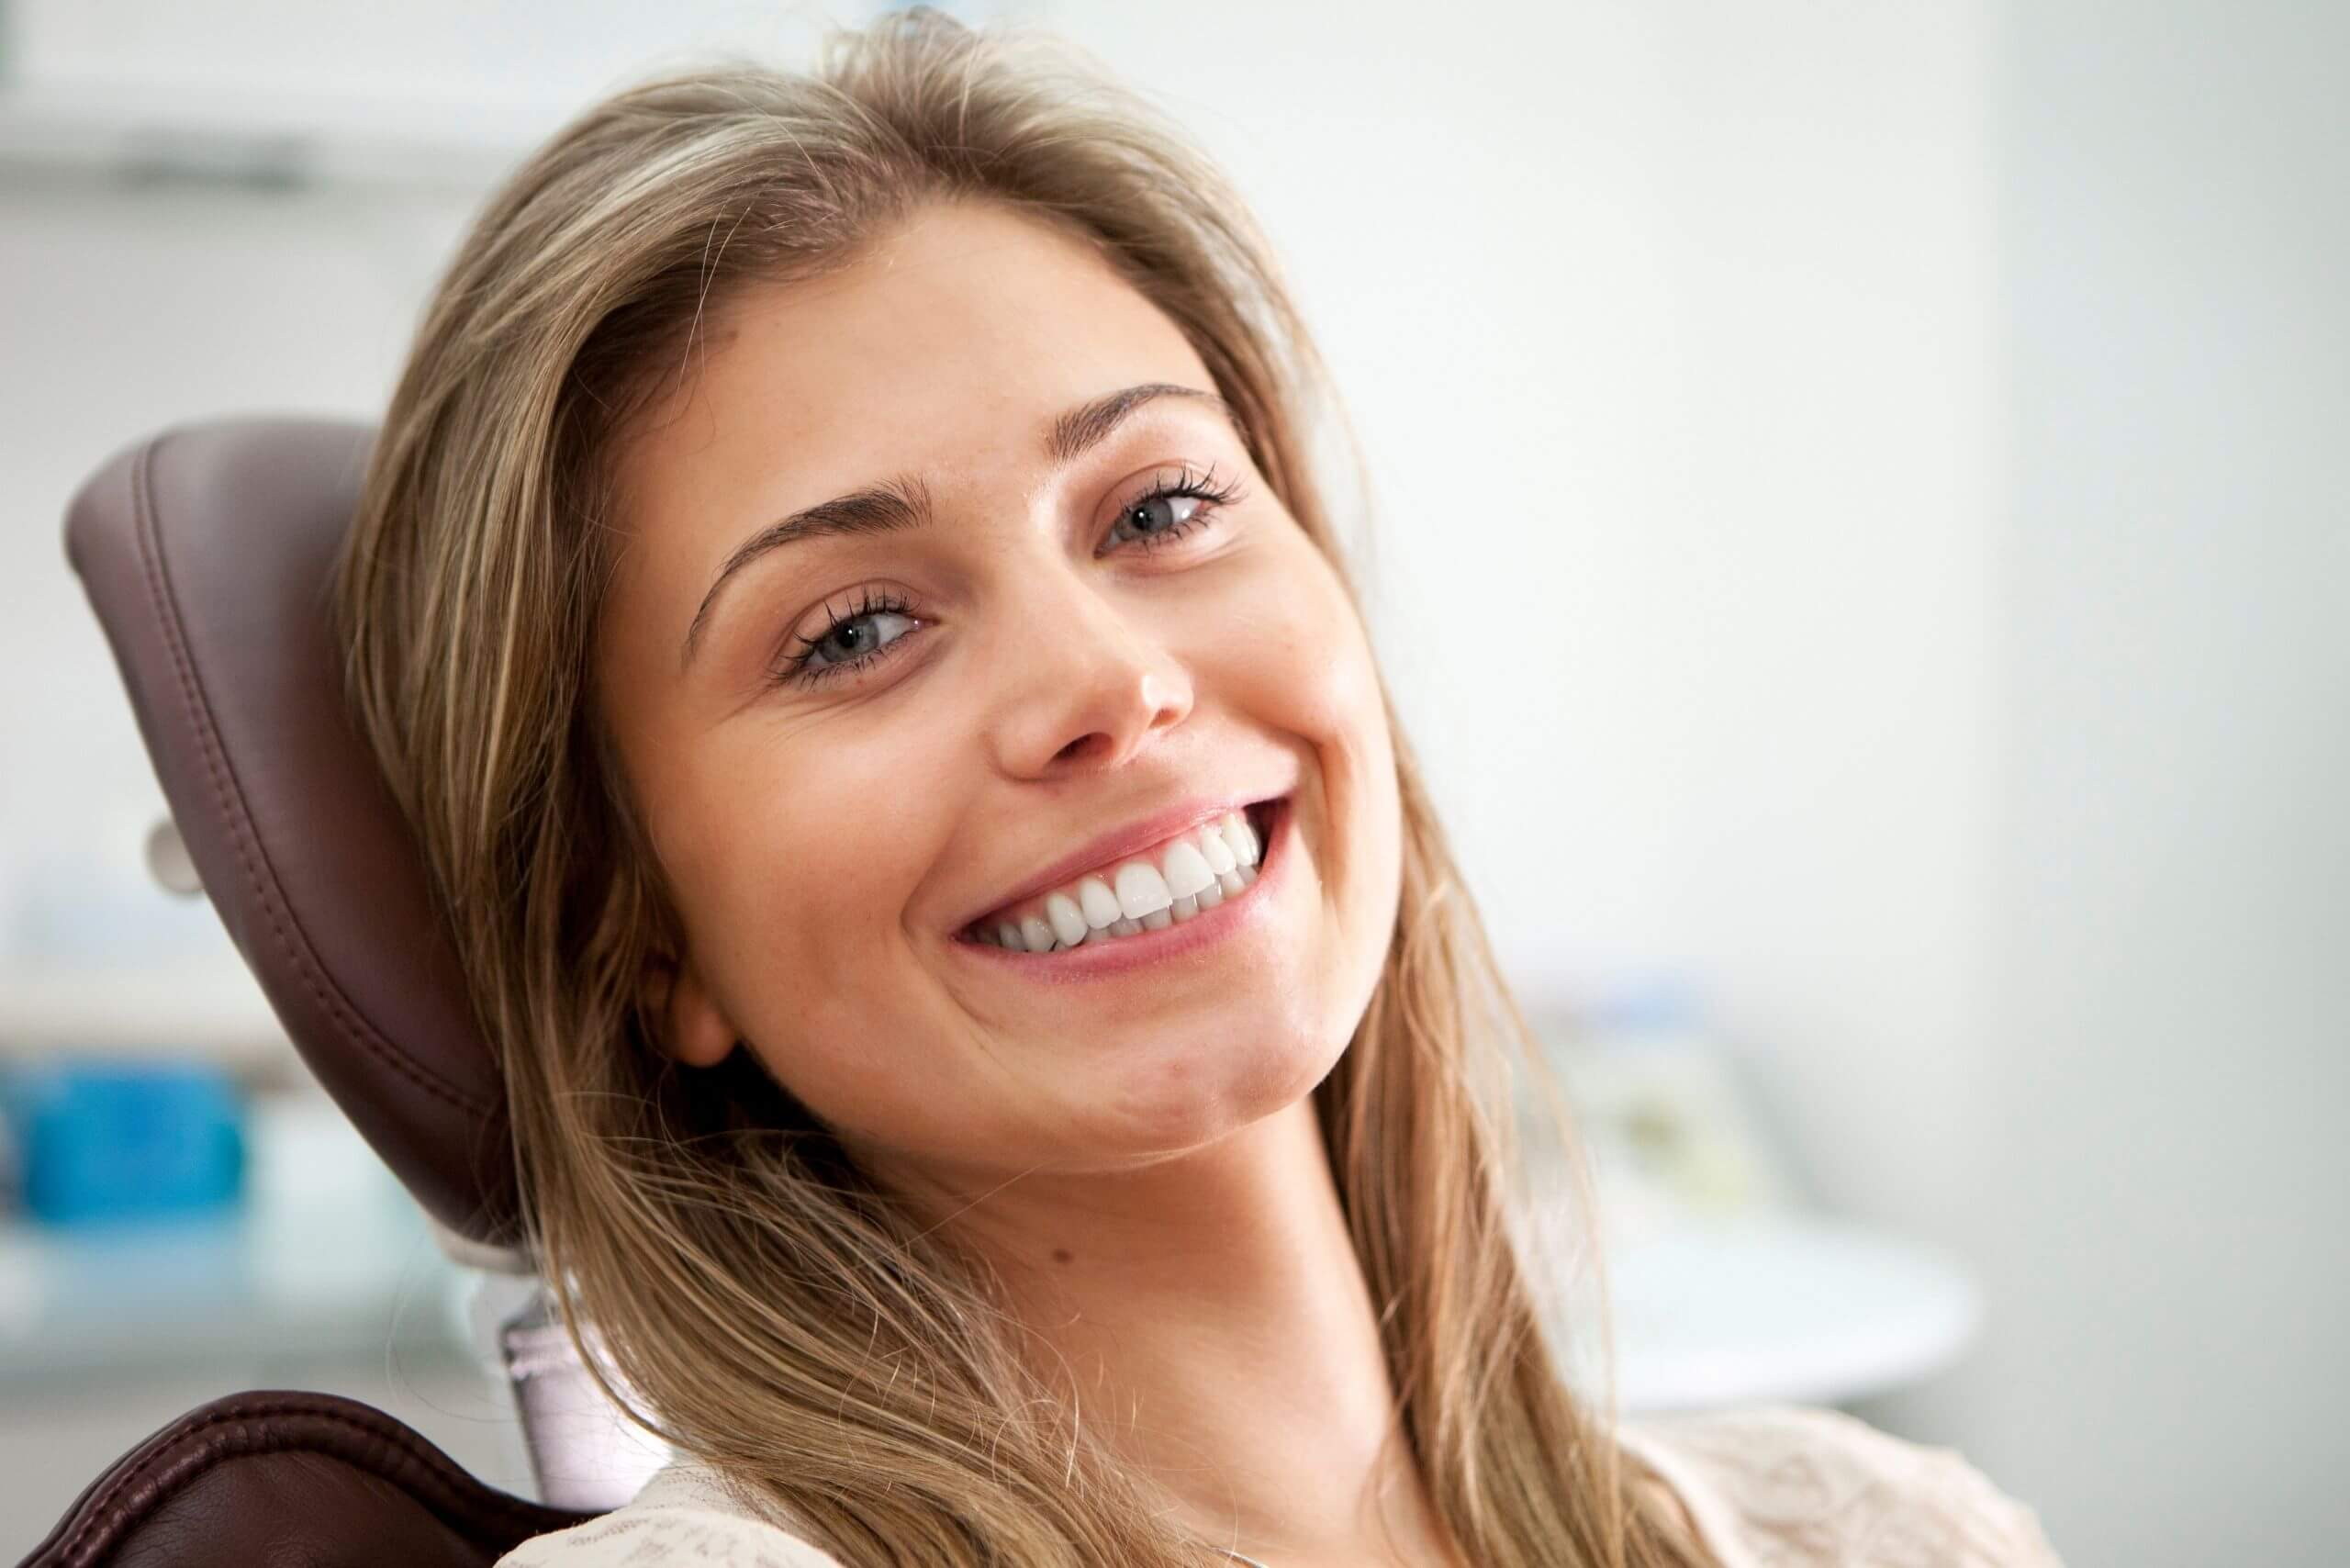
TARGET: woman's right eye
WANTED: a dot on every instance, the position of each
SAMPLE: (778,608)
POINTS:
(852,641)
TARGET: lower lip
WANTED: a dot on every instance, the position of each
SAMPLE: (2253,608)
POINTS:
(1096,960)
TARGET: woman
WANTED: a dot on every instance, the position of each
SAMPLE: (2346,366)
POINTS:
(998,1049)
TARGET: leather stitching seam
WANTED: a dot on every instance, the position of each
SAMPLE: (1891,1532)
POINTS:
(229,801)
(111,1514)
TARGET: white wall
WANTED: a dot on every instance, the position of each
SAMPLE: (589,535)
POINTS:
(2169,1059)
(120,314)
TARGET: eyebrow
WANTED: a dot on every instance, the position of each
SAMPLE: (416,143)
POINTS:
(904,502)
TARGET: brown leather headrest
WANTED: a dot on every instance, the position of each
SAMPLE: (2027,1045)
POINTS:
(207,552)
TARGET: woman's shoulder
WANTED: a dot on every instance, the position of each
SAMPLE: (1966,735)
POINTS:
(1776,1487)
(1792,1484)
(682,1515)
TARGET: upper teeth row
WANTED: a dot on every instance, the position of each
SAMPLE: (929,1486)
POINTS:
(1189,873)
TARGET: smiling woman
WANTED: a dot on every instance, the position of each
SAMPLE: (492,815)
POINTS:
(978,583)
(999,1052)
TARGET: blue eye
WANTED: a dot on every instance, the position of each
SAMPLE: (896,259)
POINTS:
(855,638)
(1168,510)
(859,636)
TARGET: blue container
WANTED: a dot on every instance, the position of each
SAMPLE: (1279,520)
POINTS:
(101,1141)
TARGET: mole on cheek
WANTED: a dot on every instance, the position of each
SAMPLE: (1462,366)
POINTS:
(1062,1255)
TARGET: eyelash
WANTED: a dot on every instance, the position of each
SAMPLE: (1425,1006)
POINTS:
(795,668)
(1203,489)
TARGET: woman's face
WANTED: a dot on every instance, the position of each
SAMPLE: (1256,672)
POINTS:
(987,666)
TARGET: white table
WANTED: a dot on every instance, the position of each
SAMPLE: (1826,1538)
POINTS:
(1783,1308)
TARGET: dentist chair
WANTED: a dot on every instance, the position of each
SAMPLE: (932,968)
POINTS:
(205,552)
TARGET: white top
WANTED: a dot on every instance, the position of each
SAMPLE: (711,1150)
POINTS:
(1774,1488)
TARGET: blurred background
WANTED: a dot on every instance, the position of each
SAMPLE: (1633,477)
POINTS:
(1861,545)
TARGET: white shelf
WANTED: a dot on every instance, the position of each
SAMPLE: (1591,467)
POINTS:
(129,131)
(216,1010)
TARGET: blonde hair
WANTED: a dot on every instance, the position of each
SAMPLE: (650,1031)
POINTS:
(745,1278)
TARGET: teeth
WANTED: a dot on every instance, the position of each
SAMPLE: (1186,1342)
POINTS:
(1141,890)
(1194,873)
(1187,870)
(1241,837)
(1215,852)
(1100,905)
(1068,920)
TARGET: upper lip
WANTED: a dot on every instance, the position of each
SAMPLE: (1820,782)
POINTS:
(1119,843)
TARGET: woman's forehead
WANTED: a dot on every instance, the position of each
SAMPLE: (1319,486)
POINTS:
(948,337)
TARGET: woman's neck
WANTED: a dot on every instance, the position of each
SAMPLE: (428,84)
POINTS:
(1209,1317)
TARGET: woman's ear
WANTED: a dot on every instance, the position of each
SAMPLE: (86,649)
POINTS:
(686,1018)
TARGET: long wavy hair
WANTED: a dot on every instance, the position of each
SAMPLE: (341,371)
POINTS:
(747,1283)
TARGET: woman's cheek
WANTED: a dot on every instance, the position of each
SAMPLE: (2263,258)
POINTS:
(1333,702)
(1309,662)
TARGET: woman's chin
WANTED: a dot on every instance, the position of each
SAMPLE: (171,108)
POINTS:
(1186,1092)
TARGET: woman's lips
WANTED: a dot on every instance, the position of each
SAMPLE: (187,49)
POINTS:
(1105,952)
(1195,864)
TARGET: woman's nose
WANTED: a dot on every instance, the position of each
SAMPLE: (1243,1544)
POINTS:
(1087,681)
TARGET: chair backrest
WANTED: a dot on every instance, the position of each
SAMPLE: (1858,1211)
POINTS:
(207,552)
(286,1478)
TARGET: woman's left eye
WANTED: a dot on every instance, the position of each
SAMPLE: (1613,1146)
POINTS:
(1169,509)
